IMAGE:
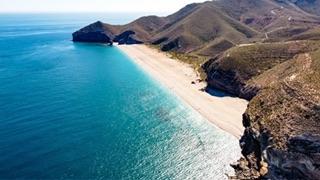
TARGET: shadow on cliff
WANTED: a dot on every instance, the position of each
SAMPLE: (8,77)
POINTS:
(217,93)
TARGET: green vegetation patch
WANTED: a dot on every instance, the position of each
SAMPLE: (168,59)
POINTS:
(195,61)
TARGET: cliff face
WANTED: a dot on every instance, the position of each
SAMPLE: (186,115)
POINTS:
(228,80)
(282,135)
(282,121)
(94,33)
(240,70)
(299,161)
(126,38)
(102,33)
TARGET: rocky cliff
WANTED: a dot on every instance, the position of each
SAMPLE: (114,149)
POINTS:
(282,122)
(94,33)
(237,69)
(99,32)
(126,38)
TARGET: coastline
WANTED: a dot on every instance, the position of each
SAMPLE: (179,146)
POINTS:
(224,112)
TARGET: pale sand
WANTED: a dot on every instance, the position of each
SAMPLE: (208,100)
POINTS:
(224,112)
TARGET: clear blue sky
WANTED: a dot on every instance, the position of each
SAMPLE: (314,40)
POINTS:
(93,5)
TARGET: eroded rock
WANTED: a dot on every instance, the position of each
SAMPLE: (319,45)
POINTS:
(94,33)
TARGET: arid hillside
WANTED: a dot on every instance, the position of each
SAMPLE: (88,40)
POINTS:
(212,27)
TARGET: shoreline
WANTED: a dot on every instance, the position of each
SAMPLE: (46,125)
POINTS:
(224,112)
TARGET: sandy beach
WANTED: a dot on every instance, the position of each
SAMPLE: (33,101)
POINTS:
(224,112)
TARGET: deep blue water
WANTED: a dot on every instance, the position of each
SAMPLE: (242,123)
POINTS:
(80,111)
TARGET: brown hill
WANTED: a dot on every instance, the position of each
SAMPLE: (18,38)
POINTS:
(310,6)
(196,27)
(234,70)
(212,27)
(267,15)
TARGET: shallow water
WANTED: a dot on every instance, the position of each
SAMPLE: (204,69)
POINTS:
(72,110)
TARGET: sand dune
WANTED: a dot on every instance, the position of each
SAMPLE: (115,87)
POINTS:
(224,112)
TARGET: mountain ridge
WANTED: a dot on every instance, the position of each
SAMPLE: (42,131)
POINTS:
(197,26)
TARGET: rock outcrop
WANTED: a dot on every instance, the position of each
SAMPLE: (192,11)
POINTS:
(299,161)
(282,124)
(126,38)
(102,33)
(94,33)
(243,70)
(228,80)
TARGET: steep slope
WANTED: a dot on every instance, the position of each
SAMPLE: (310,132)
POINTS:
(138,31)
(282,136)
(212,27)
(205,25)
(282,121)
(310,6)
(198,27)
(234,70)
(310,34)
(95,33)
(144,27)
(267,15)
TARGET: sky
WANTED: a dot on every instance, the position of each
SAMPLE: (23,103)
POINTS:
(163,6)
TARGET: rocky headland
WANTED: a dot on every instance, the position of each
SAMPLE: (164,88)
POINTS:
(94,33)
(99,33)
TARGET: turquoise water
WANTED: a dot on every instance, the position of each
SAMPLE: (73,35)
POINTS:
(86,111)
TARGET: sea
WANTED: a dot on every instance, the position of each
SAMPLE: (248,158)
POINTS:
(87,111)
